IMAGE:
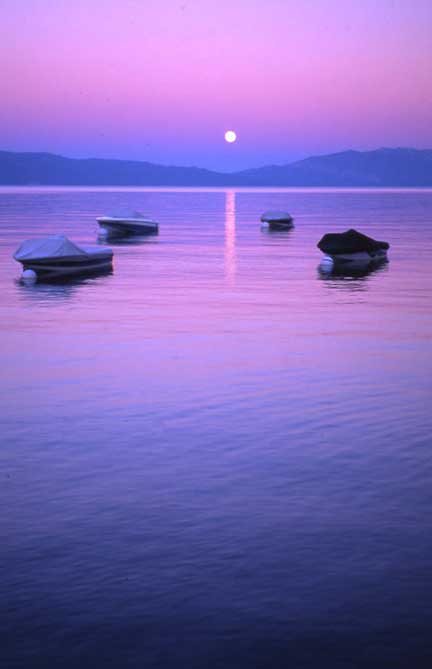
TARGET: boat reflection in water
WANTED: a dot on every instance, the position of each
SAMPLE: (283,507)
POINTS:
(350,276)
(61,289)
(128,240)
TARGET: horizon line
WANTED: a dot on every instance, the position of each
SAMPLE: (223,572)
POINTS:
(214,171)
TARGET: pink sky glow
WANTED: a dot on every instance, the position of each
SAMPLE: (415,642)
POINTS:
(162,81)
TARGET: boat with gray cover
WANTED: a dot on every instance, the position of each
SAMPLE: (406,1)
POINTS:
(126,223)
(57,256)
(277,220)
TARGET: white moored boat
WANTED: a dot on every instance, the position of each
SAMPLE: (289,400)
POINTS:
(56,256)
(129,223)
(277,220)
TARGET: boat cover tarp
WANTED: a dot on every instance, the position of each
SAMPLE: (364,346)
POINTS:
(126,214)
(55,246)
(350,241)
(97,251)
(275,216)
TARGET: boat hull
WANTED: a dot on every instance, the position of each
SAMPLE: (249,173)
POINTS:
(280,225)
(359,258)
(54,268)
(124,228)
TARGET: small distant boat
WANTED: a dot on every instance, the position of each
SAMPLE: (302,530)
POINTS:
(352,247)
(129,223)
(277,220)
(57,256)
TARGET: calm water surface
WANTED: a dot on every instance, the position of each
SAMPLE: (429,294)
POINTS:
(215,456)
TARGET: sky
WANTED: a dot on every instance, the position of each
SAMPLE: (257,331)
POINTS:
(162,80)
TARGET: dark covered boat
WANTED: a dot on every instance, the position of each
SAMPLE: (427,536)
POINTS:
(353,247)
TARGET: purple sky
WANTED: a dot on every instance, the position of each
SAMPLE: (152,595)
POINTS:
(162,80)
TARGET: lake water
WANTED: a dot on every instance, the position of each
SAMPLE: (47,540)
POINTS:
(216,456)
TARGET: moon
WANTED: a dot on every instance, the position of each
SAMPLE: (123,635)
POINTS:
(230,136)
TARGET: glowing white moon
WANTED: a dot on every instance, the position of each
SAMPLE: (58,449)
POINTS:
(230,136)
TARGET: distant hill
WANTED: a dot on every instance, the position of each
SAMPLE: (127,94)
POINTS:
(50,169)
(383,167)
